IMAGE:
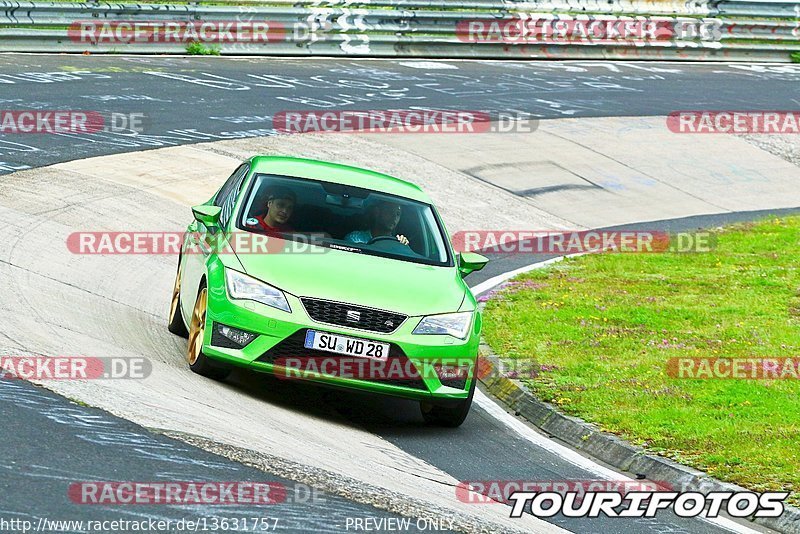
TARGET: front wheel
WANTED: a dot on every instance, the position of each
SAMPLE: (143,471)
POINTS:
(199,362)
(451,415)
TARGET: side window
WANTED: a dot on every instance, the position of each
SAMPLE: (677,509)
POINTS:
(226,198)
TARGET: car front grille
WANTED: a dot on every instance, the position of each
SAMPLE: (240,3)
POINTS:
(341,314)
(293,347)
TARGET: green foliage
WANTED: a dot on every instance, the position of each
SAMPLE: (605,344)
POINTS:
(196,48)
(600,330)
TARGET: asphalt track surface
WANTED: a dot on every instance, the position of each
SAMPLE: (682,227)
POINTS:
(189,100)
(192,100)
(49,444)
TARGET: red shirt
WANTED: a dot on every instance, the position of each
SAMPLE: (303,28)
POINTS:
(271,230)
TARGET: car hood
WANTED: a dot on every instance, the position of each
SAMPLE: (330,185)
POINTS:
(393,285)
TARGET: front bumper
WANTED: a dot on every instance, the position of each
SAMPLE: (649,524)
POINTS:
(279,335)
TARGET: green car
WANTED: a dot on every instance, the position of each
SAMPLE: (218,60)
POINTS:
(342,276)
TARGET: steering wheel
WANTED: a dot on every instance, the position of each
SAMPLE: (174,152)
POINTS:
(382,238)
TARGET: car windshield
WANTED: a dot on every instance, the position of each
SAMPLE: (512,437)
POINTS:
(345,218)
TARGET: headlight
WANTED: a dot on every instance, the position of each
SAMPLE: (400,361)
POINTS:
(454,324)
(243,287)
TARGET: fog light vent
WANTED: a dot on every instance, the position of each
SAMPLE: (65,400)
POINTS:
(230,338)
(453,375)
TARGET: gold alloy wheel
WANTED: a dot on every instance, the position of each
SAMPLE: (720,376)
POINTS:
(197,328)
(176,294)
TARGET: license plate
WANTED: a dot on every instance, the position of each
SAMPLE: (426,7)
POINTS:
(351,346)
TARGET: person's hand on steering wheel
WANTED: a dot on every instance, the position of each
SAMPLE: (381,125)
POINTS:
(399,237)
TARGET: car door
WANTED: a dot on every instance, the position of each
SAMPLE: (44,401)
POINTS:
(198,244)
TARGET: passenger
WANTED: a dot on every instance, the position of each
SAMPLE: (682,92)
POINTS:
(384,217)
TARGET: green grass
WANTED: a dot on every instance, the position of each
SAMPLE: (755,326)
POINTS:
(795,57)
(735,40)
(600,328)
(196,48)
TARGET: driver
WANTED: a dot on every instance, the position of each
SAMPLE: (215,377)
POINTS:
(384,218)
(280,206)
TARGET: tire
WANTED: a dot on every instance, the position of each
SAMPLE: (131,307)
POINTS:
(175,321)
(450,415)
(199,362)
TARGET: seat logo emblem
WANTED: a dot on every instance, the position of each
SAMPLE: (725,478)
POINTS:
(353,316)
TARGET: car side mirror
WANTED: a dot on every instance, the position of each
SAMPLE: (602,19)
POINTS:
(208,215)
(469,262)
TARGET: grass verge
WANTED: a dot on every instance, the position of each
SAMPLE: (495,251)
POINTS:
(600,329)
(196,48)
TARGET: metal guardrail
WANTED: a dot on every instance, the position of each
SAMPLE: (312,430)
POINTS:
(49,41)
(760,8)
(764,30)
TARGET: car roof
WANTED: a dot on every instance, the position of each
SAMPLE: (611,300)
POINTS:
(337,173)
